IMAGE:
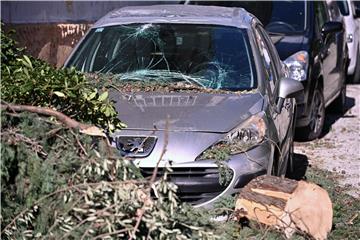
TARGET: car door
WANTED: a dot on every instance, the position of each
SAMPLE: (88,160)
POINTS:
(272,66)
(328,54)
(340,43)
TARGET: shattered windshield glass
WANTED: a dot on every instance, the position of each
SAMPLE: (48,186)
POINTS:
(214,57)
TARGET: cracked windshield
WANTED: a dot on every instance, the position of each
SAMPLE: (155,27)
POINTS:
(212,57)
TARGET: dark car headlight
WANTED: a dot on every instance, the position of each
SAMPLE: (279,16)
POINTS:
(241,139)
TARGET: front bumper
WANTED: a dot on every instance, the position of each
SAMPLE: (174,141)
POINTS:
(198,182)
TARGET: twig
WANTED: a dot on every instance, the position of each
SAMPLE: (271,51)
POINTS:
(53,131)
(109,234)
(56,222)
(75,227)
(8,105)
(86,231)
(64,139)
(36,147)
(13,114)
(121,92)
(152,179)
(350,222)
(79,143)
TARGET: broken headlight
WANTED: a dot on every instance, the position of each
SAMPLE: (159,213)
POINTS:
(242,138)
(298,65)
(247,135)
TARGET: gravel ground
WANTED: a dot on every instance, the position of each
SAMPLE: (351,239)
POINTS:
(338,150)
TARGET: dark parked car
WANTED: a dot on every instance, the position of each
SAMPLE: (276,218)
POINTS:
(313,46)
(218,87)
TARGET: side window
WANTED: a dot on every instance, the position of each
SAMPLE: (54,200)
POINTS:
(267,59)
(320,13)
(273,53)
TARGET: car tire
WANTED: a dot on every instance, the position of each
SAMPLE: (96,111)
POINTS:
(338,106)
(317,117)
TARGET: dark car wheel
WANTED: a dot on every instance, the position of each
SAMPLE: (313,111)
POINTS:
(338,106)
(317,117)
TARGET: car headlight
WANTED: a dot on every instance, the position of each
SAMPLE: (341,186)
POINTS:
(241,139)
(298,65)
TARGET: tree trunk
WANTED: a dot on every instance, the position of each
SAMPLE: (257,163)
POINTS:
(287,205)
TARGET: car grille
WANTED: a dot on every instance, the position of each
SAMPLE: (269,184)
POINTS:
(195,185)
(135,146)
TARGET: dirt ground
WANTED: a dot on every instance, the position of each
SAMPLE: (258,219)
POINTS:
(338,150)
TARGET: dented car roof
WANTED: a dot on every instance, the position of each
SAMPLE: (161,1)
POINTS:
(191,14)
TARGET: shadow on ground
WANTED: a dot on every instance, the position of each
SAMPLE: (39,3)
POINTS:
(331,117)
(301,164)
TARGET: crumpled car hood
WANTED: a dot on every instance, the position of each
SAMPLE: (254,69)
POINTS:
(201,112)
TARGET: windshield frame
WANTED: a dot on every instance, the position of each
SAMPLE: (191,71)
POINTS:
(254,71)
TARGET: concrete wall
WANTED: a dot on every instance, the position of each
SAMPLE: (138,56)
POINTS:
(20,12)
(50,30)
(50,42)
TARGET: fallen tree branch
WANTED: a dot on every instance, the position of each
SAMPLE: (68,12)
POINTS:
(81,185)
(69,122)
(66,120)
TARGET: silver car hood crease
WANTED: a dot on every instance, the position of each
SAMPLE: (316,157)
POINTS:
(188,112)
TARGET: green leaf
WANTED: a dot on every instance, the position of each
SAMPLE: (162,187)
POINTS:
(107,111)
(103,96)
(26,72)
(59,94)
(27,59)
(92,95)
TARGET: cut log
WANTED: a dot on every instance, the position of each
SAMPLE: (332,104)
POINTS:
(287,205)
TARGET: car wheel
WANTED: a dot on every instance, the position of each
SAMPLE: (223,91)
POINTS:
(317,117)
(338,106)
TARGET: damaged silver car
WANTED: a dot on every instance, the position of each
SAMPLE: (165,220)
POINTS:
(204,83)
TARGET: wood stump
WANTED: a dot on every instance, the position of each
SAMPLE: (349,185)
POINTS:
(287,205)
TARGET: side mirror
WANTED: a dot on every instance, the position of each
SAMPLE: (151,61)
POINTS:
(331,27)
(288,88)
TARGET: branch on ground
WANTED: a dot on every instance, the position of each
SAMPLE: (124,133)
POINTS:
(66,120)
